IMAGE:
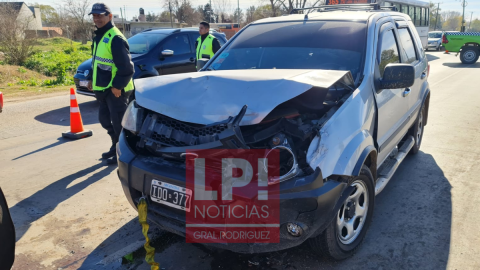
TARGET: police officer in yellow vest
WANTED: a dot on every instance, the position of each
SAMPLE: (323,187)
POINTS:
(112,75)
(206,45)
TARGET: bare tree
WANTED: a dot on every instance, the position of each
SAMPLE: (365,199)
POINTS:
(249,16)
(223,7)
(78,10)
(183,11)
(17,37)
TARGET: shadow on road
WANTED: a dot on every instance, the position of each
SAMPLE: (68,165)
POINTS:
(61,116)
(60,141)
(461,65)
(46,200)
(410,230)
(431,57)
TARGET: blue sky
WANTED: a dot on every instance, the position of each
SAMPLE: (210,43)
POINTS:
(156,5)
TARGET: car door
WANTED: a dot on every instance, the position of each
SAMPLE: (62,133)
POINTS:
(392,104)
(182,59)
(411,55)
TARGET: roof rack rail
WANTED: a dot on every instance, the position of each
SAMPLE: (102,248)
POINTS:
(373,6)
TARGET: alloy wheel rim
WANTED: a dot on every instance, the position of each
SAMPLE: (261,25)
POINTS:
(352,215)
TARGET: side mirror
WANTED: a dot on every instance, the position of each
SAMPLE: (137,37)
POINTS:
(397,76)
(201,63)
(167,52)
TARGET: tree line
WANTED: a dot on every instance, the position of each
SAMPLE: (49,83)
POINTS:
(449,20)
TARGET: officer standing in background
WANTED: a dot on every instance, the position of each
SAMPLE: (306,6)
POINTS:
(112,75)
(206,45)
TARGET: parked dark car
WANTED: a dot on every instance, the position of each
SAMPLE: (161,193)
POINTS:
(155,52)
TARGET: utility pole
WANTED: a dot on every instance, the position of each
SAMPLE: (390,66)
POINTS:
(436,20)
(464,4)
(210,13)
(170,9)
(124,12)
(238,13)
(123,22)
(470,24)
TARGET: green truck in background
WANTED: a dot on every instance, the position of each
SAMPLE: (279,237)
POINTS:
(467,44)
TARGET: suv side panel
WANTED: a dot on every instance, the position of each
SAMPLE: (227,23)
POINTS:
(392,104)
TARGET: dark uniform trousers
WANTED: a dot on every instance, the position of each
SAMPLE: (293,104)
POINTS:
(111,111)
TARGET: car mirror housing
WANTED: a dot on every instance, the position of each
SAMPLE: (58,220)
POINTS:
(397,76)
(167,52)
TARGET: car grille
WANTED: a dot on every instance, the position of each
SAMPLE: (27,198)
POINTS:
(171,132)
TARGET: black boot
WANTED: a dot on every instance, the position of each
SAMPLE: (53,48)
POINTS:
(112,160)
(112,150)
(110,153)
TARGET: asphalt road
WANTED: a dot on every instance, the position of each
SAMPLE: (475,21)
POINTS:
(70,212)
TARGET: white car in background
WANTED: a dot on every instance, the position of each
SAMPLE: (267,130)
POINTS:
(435,40)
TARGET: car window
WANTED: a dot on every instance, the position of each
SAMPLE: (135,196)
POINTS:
(143,43)
(435,35)
(296,45)
(408,47)
(388,52)
(178,44)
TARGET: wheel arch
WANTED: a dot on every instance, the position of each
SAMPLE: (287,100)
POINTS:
(426,103)
(468,44)
(368,157)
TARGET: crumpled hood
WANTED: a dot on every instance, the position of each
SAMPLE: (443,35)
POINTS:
(434,39)
(213,96)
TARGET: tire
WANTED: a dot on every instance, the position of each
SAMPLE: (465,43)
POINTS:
(469,55)
(334,243)
(417,131)
(438,48)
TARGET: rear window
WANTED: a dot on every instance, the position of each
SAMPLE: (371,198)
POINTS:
(333,45)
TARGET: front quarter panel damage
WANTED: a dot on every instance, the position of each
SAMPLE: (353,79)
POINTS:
(341,140)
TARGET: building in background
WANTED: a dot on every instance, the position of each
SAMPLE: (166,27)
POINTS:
(30,16)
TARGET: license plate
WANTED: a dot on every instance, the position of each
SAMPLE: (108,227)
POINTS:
(171,195)
(84,83)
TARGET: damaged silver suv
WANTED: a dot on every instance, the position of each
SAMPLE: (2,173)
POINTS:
(344,91)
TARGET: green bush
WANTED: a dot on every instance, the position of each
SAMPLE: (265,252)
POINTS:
(22,70)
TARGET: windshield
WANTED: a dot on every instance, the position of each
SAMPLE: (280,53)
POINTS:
(333,45)
(435,35)
(143,43)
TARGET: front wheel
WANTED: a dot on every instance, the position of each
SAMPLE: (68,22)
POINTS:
(469,55)
(346,232)
(417,131)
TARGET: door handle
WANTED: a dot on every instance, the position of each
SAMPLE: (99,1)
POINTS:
(192,59)
(406,92)
(424,74)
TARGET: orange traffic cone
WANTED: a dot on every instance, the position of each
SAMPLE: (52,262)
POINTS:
(76,124)
(446,52)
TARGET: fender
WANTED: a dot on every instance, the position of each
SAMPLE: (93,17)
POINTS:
(361,160)
(355,150)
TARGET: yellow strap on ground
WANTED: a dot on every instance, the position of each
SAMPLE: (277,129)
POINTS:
(142,217)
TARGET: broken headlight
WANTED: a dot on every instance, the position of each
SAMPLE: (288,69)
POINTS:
(288,161)
(133,118)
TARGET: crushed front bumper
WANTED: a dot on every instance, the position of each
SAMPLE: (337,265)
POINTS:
(308,201)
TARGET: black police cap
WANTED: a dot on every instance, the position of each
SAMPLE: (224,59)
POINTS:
(100,8)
